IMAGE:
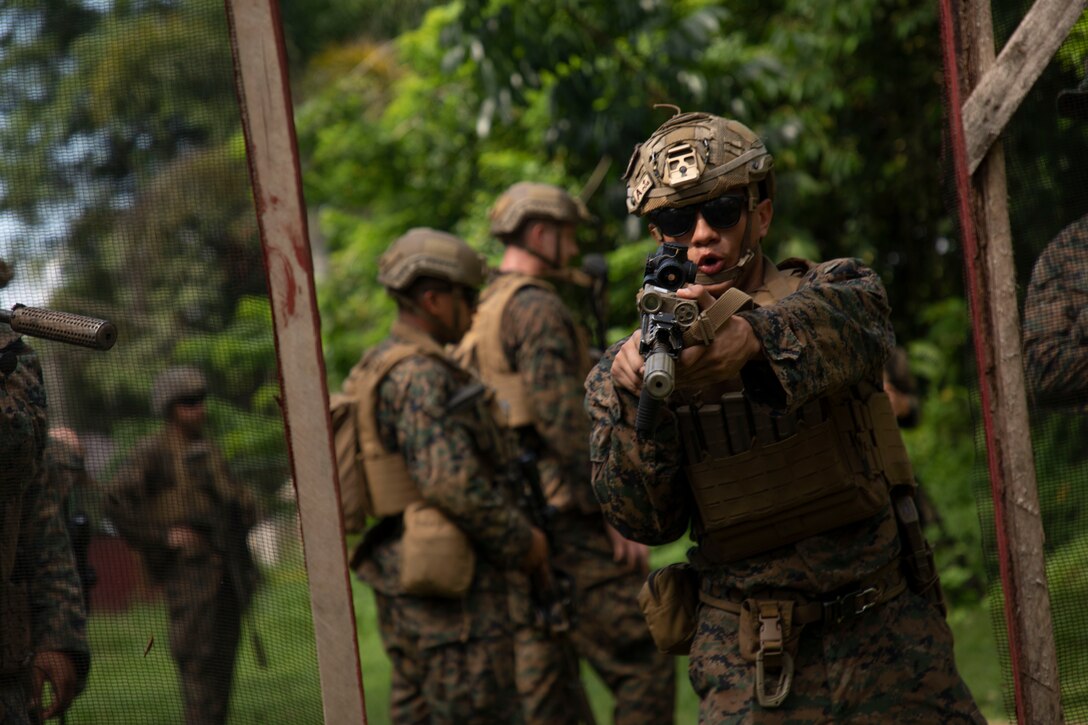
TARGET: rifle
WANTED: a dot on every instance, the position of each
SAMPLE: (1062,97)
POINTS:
(665,316)
(596,267)
(551,591)
(61,326)
(243,575)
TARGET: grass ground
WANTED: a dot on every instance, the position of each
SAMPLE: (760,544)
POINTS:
(131,687)
(133,680)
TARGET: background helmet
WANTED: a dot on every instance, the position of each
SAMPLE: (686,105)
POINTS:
(693,157)
(176,383)
(528,200)
(6,273)
(424,252)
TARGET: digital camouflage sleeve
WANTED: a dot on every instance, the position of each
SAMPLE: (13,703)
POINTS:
(1056,319)
(540,338)
(44,555)
(449,457)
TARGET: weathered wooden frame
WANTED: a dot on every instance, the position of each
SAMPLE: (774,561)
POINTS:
(268,122)
(997,88)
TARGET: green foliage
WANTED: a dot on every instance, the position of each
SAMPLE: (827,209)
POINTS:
(429,130)
(123,132)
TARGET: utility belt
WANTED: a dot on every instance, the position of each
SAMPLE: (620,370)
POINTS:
(770,626)
(770,622)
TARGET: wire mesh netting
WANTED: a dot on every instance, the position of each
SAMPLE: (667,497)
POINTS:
(126,197)
(1046,147)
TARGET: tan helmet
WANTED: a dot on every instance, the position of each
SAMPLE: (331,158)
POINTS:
(693,157)
(530,200)
(424,252)
(174,384)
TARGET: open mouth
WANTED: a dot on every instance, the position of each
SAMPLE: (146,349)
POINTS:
(711,265)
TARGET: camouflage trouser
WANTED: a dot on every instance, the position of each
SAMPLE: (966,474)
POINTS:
(610,633)
(893,664)
(14,699)
(459,683)
(204,628)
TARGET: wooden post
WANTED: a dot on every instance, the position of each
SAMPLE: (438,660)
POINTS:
(272,153)
(987,238)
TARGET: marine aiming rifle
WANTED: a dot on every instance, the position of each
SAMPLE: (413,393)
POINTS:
(665,316)
(61,326)
(551,590)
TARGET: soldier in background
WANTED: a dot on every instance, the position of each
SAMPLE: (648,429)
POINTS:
(176,503)
(42,622)
(525,344)
(67,472)
(437,480)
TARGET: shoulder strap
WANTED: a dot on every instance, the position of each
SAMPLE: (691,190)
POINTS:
(363,384)
(482,351)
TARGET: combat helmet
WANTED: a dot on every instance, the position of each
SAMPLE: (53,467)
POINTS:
(528,200)
(693,157)
(174,384)
(425,252)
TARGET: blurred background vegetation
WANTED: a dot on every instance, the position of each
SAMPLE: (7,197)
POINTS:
(419,113)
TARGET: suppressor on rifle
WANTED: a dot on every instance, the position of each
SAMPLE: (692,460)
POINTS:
(61,326)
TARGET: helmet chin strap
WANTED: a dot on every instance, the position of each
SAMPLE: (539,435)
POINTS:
(553,261)
(728,275)
(437,323)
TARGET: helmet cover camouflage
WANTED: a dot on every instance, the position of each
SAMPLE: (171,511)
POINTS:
(424,252)
(530,200)
(173,384)
(693,157)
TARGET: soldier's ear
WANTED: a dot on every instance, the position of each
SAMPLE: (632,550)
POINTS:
(656,234)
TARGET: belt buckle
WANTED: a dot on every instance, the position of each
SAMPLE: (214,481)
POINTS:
(853,604)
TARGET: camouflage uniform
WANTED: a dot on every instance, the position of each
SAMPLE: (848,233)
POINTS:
(869,649)
(66,473)
(894,665)
(34,548)
(542,344)
(453,659)
(171,480)
(1056,320)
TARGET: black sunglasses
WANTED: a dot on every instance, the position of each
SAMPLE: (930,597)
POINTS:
(188,400)
(721,213)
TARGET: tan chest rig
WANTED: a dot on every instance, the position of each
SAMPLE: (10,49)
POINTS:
(436,557)
(481,350)
(760,482)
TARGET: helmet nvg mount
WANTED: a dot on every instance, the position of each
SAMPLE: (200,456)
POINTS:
(425,252)
(528,200)
(693,157)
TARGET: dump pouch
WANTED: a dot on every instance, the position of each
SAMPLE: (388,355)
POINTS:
(669,600)
(919,564)
(436,557)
